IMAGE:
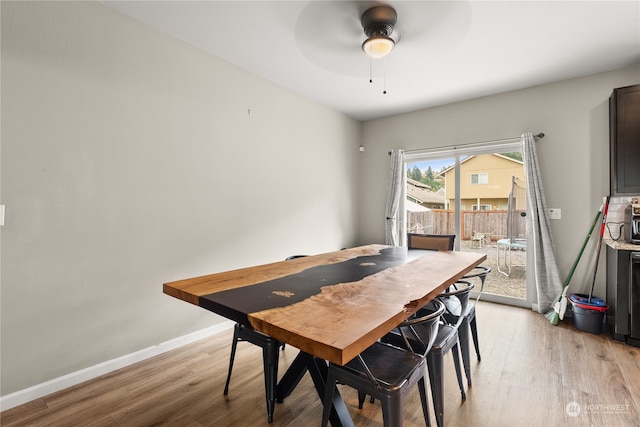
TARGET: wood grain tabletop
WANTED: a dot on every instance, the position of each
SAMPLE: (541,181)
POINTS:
(331,305)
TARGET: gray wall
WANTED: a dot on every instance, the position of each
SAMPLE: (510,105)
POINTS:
(129,159)
(574,154)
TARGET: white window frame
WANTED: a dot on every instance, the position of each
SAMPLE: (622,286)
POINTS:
(484,181)
(482,208)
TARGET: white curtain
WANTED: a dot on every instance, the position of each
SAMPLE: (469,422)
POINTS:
(395,213)
(546,274)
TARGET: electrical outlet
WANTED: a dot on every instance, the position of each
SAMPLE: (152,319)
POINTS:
(555,213)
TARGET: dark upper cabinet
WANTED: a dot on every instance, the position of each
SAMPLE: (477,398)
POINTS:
(624,115)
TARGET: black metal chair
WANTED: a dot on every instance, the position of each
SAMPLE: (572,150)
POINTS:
(469,322)
(447,339)
(270,355)
(387,372)
(452,316)
(436,242)
(445,242)
(480,272)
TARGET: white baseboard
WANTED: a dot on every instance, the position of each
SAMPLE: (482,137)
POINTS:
(40,390)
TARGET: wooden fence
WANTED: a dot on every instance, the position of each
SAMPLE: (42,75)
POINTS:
(441,221)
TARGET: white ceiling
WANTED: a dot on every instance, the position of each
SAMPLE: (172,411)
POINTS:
(448,51)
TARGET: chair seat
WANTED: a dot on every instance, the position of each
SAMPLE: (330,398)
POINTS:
(447,337)
(385,372)
(390,365)
(249,334)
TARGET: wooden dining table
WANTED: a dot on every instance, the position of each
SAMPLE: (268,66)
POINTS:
(331,306)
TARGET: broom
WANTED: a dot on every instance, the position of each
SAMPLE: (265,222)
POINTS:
(560,306)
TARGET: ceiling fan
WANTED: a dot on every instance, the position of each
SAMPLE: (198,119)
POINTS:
(333,34)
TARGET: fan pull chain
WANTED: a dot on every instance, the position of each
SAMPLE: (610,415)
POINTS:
(370,70)
(384,76)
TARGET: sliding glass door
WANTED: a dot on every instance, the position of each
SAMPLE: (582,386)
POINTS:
(479,195)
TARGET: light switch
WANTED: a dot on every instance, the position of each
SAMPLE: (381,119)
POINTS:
(555,213)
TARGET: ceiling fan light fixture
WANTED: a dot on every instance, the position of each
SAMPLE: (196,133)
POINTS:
(378,46)
(377,23)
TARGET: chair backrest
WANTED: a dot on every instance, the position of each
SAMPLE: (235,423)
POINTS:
(456,299)
(481,272)
(436,242)
(422,330)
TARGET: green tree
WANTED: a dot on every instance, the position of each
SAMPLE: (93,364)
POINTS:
(432,180)
(516,155)
(415,173)
(429,176)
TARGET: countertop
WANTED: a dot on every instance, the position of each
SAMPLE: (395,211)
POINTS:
(620,245)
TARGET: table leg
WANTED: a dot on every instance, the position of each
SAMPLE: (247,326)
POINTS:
(318,369)
(339,413)
(291,377)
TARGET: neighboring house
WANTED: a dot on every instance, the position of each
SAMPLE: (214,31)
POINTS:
(421,194)
(486,182)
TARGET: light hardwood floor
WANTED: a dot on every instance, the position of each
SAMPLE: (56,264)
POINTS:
(530,371)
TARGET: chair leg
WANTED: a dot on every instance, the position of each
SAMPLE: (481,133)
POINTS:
(456,363)
(234,344)
(435,363)
(423,399)
(392,410)
(270,360)
(463,332)
(361,397)
(474,335)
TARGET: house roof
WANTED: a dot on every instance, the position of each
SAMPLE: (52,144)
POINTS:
(414,207)
(442,172)
(421,193)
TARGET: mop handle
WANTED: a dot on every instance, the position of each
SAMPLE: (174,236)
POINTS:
(595,269)
(584,245)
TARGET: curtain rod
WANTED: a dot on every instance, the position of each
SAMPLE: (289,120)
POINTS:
(455,147)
